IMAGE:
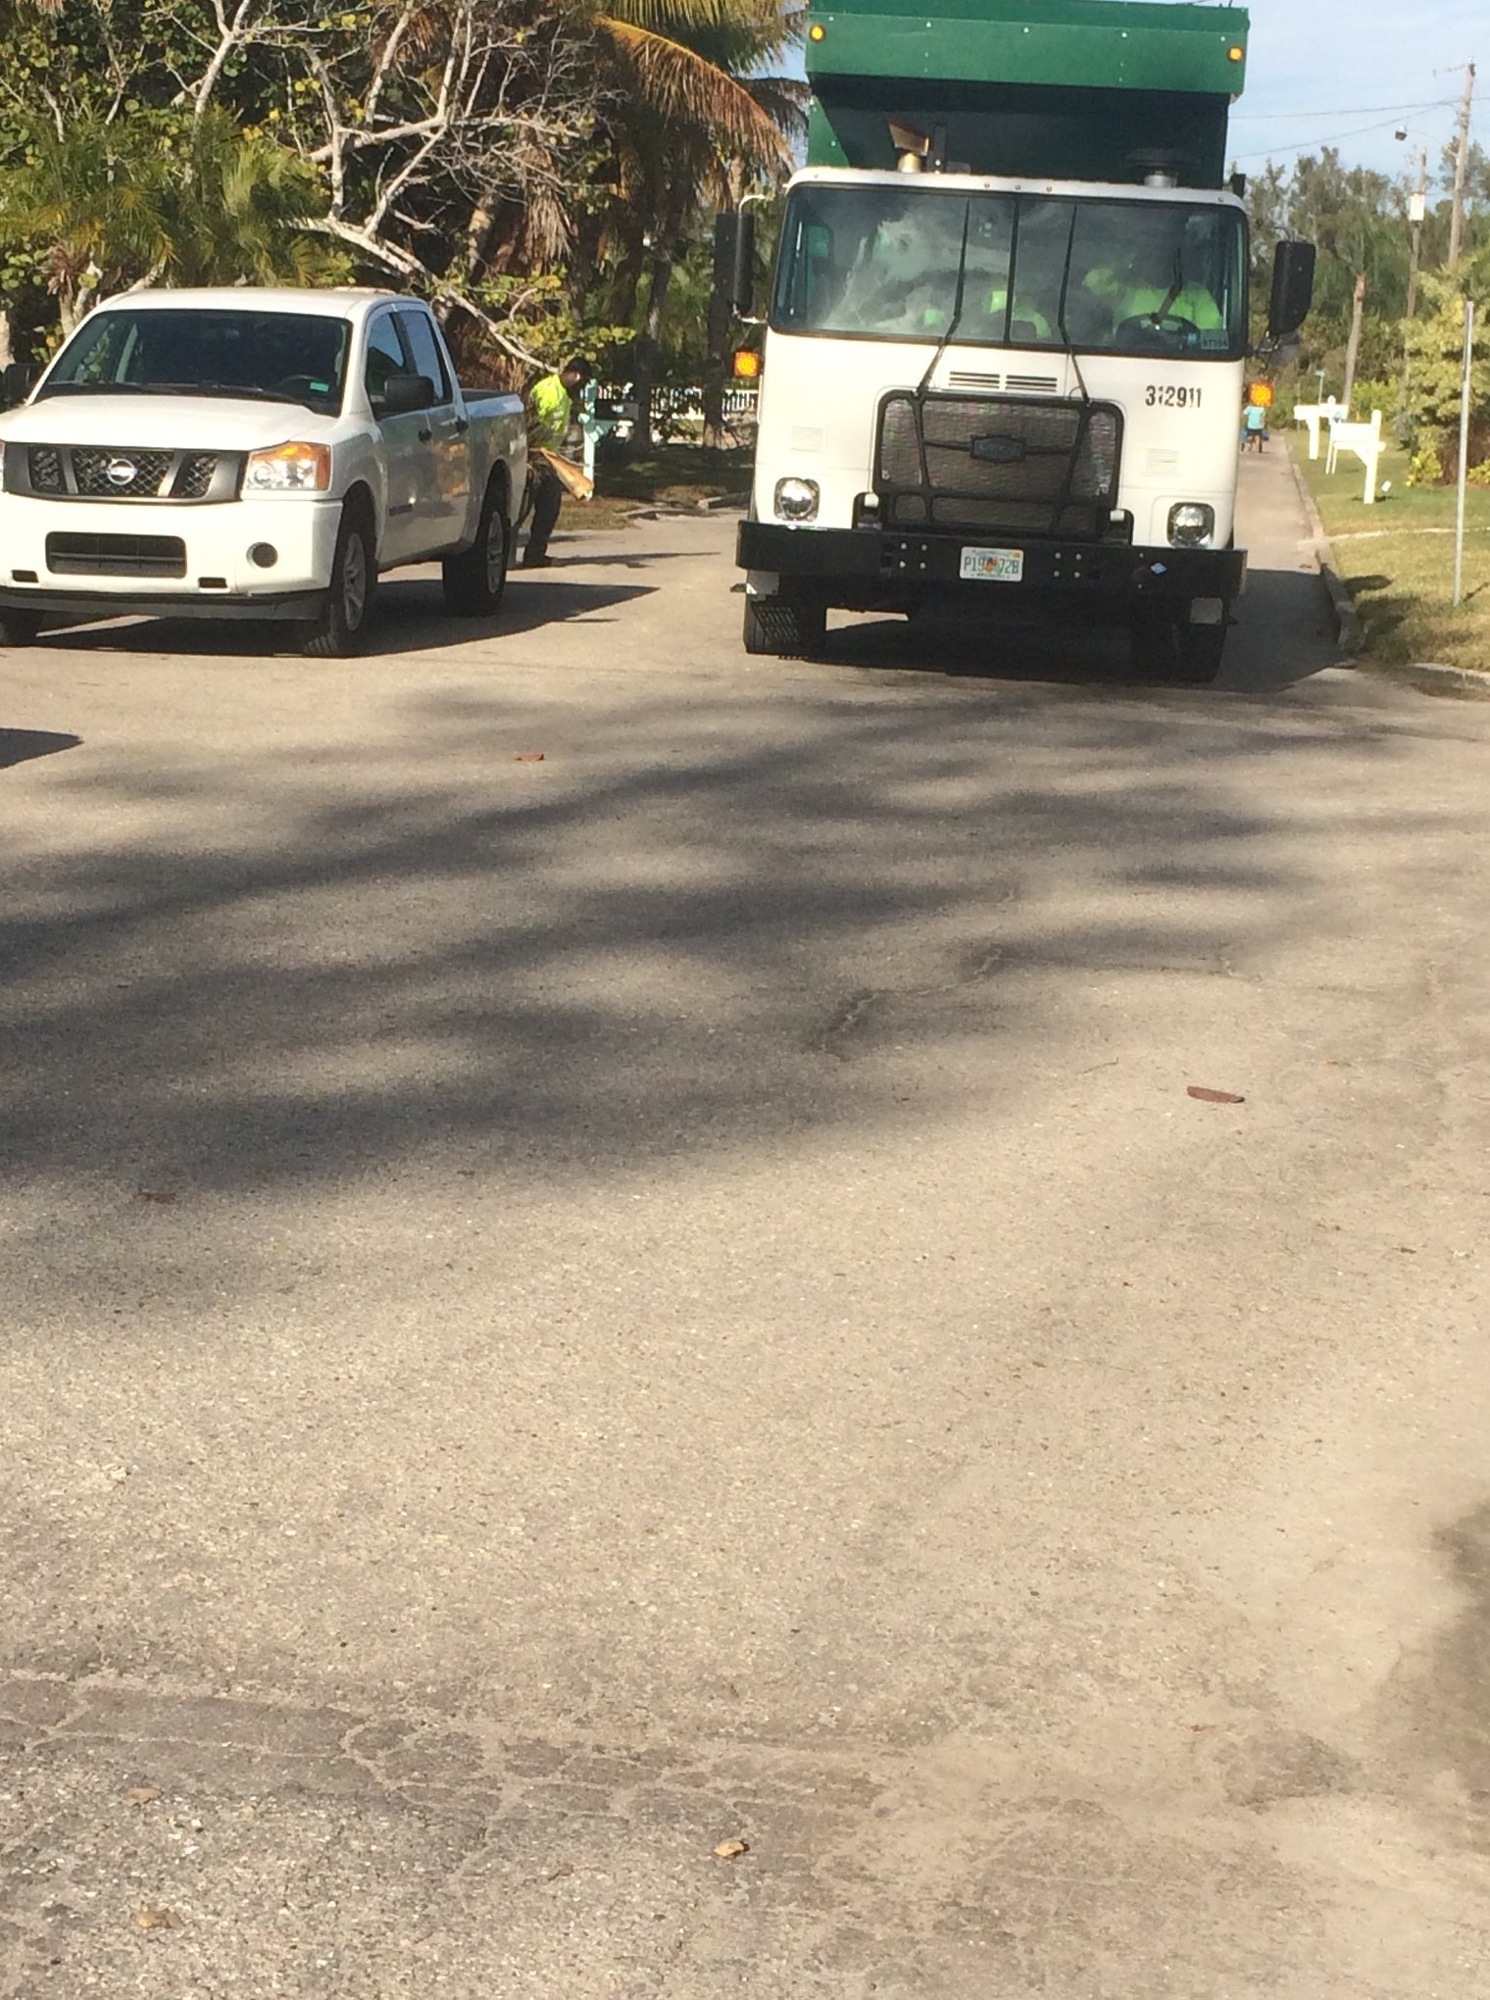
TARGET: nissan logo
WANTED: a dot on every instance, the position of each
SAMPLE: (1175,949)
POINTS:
(120,471)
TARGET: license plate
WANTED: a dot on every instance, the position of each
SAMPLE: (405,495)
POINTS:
(993,565)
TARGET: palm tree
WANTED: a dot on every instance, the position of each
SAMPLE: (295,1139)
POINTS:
(697,122)
(120,202)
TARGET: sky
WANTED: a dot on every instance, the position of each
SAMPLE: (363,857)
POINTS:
(1351,73)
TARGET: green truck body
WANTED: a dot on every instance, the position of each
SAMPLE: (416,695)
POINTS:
(1069,89)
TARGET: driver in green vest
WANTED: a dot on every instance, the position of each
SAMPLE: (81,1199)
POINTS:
(1153,287)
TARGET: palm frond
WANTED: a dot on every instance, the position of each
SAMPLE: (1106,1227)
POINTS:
(676,82)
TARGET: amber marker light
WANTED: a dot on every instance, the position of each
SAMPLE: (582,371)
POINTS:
(1235,53)
(817,32)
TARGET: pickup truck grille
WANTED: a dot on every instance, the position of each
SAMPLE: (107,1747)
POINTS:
(137,475)
(89,472)
(998,464)
(116,555)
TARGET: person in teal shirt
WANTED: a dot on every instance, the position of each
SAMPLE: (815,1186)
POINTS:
(550,413)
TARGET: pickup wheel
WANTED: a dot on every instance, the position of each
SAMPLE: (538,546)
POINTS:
(19,628)
(791,628)
(338,631)
(476,580)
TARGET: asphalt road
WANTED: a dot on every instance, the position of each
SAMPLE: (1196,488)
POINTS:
(560,1312)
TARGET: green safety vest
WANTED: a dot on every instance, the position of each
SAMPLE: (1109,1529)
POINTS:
(552,409)
(1191,302)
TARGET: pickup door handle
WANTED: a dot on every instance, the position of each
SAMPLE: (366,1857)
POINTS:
(425,436)
(462,425)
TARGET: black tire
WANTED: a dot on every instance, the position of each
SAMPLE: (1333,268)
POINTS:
(19,628)
(341,626)
(787,627)
(476,580)
(1200,648)
(1167,647)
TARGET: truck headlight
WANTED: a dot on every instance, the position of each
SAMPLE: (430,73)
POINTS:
(288,468)
(1191,524)
(796,499)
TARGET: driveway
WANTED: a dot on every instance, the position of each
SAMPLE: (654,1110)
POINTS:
(611,1250)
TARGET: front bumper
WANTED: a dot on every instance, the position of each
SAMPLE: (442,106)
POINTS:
(869,568)
(217,577)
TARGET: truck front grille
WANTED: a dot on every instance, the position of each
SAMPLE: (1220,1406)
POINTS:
(119,475)
(116,555)
(92,472)
(998,464)
(46,469)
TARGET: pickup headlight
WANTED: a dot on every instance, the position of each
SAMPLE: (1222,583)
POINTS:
(1191,524)
(796,499)
(288,468)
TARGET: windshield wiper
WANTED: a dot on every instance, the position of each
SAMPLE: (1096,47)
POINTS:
(224,389)
(1060,310)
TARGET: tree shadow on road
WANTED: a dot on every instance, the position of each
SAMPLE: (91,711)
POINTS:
(643,945)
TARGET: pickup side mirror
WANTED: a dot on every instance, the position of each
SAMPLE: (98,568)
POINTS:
(734,258)
(17,382)
(1293,289)
(401,395)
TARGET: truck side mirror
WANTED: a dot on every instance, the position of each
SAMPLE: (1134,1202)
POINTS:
(1293,289)
(17,382)
(403,394)
(734,258)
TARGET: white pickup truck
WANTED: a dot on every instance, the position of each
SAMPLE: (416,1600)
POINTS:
(252,454)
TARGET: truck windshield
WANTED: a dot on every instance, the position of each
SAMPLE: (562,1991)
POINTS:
(261,356)
(1123,277)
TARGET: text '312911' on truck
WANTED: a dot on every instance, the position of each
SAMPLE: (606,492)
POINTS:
(1006,336)
(244,455)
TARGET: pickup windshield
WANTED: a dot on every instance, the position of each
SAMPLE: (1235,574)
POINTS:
(1005,270)
(260,356)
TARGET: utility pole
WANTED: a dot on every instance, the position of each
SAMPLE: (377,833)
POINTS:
(1461,168)
(1353,347)
(1417,209)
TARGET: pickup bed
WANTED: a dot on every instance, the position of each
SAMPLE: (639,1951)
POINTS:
(246,454)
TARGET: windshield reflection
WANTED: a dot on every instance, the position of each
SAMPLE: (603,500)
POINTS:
(1013,270)
(258,356)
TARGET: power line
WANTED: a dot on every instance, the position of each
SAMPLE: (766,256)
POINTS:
(1346,111)
(1320,139)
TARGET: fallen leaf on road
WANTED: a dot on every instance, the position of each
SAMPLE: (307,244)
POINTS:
(162,1195)
(529,757)
(1212,1096)
(157,1920)
(140,1795)
(728,1849)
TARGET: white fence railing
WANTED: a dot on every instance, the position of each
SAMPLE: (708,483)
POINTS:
(678,414)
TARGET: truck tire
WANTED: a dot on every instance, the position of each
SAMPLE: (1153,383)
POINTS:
(790,628)
(476,580)
(19,628)
(338,631)
(1167,647)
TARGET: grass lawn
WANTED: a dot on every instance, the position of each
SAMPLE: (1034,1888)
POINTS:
(671,474)
(1397,560)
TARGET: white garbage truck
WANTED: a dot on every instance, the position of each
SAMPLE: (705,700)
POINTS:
(1006,338)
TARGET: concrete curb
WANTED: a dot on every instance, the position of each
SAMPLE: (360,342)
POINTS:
(1424,675)
(1349,637)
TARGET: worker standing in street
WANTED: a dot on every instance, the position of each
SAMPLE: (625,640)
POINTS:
(550,413)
